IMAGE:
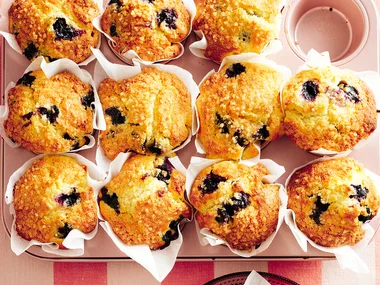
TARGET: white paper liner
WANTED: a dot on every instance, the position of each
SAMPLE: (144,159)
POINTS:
(51,69)
(274,46)
(74,242)
(371,78)
(347,256)
(197,164)
(255,278)
(245,57)
(158,262)
(105,69)
(129,55)
(11,39)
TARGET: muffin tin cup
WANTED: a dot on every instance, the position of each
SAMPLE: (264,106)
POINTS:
(51,69)
(158,262)
(340,27)
(11,39)
(348,257)
(205,236)
(74,242)
(105,69)
(130,55)
(245,57)
(315,59)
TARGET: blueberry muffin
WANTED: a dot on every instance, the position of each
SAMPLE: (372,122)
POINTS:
(234,27)
(54,28)
(234,202)
(50,115)
(328,108)
(332,200)
(145,202)
(152,28)
(238,106)
(52,198)
(147,113)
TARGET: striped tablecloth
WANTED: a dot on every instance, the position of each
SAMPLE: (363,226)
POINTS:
(24,269)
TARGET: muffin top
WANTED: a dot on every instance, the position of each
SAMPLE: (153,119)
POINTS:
(238,106)
(53,197)
(50,115)
(152,28)
(331,200)
(147,113)
(328,108)
(145,202)
(234,27)
(54,28)
(233,202)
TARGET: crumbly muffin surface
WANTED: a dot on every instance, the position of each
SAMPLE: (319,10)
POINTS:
(152,28)
(50,115)
(145,202)
(238,106)
(234,27)
(233,202)
(147,113)
(52,198)
(328,108)
(54,28)
(331,200)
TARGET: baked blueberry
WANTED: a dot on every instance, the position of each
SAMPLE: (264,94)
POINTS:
(27,116)
(350,92)
(240,140)
(169,16)
(116,116)
(211,183)
(361,193)
(110,200)
(64,231)
(69,199)
(238,202)
(30,51)
(26,79)
(113,32)
(51,114)
(88,99)
(261,134)
(64,31)
(235,69)
(223,124)
(310,90)
(117,2)
(165,170)
(365,218)
(154,148)
(320,208)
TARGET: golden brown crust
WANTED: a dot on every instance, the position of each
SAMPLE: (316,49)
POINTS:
(331,202)
(237,111)
(49,115)
(147,113)
(234,27)
(234,203)
(33,22)
(153,29)
(335,120)
(43,213)
(145,202)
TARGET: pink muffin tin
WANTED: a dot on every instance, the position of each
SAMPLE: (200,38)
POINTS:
(348,29)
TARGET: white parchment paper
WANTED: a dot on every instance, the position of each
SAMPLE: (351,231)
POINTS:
(105,69)
(371,78)
(11,39)
(158,262)
(51,69)
(255,278)
(74,242)
(274,46)
(206,237)
(246,57)
(347,256)
(129,55)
